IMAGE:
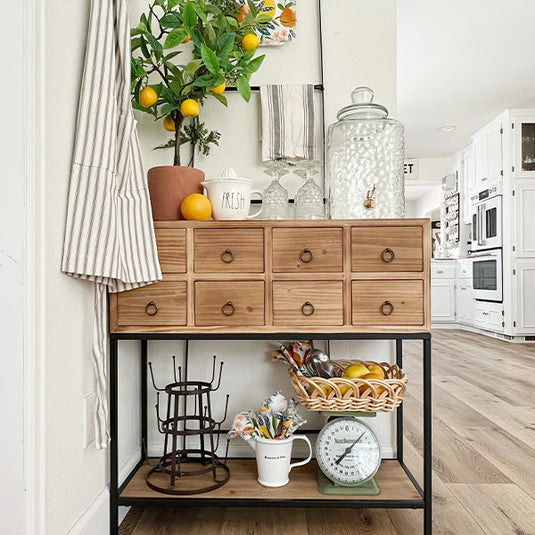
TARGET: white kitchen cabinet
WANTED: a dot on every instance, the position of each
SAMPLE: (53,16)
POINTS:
(488,156)
(523,127)
(468,183)
(524,301)
(489,316)
(464,302)
(524,219)
(442,301)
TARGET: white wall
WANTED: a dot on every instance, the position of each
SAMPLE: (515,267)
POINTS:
(76,478)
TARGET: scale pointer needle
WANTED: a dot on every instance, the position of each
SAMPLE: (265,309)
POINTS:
(348,449)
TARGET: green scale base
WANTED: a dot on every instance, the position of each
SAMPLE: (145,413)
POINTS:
(327,487)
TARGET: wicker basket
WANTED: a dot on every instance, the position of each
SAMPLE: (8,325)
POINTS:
(373,395)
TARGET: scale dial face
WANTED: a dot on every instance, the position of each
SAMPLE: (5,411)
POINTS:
(348,452)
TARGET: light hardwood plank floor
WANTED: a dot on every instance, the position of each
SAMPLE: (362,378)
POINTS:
(483,455)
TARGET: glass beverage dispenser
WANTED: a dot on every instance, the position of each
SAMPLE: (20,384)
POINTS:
(365,161)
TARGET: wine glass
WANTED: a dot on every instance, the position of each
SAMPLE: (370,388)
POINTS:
(275,196)
(309,197)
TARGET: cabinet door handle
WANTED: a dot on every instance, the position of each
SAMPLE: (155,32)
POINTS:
(307,309)
(388,255)
(387,308)
(306,256)
(227,256)
(151,309)
(228,309)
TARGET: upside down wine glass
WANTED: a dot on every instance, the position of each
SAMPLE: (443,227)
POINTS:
(275,196)
(309,197)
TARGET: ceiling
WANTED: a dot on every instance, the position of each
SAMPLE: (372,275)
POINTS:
(461,63)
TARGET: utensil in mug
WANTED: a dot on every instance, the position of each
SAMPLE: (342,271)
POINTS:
(231,198)
(273,459)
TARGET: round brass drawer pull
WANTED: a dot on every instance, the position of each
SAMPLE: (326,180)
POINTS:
(306,256)
(151,309)
(387,308)
(307,309)
(388,255)
(227,256)
(228,309)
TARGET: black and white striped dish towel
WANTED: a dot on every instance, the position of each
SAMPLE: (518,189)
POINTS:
(288,122)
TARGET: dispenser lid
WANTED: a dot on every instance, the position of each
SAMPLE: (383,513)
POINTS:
(363,106)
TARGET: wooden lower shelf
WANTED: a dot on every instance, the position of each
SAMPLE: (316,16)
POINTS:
(242,489)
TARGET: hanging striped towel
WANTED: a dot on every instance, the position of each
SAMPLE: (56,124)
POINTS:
(109,233)
(288,122)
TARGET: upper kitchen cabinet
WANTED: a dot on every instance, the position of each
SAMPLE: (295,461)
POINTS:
(468,183)
(523,138)
(488,156)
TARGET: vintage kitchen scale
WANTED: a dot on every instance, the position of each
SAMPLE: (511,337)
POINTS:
(348,455)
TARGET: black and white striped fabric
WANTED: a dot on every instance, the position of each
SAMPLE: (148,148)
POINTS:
(109,233)
(288,122)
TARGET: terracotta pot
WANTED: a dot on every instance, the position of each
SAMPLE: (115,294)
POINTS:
(169,185)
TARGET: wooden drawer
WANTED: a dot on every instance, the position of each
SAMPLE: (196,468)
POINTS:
(229,250)
(307,250)
(386,249)
(171,249)
(388,302)
(309,303)
(163,303)
(229,303)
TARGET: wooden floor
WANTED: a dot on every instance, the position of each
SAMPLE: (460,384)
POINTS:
(484,456)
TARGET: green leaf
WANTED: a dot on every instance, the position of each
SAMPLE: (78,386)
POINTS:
(171,55)
(221,98)
(193,66)
(153,42)
(190,17)
(263,18)
(210,59)
(171,20)
(135,43)
(196,36)
(172,3)
(244,88)
(225,42)
(169,145)
(214,10)
(254,65)
(206,80)
(175,37)
(144,48)
(210,36)
(202,15)
(168,108)
(253,8)
(232,23)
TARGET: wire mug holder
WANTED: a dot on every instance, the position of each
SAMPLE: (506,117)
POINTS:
(183,470)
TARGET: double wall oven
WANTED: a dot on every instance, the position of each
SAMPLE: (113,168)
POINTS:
(487,242)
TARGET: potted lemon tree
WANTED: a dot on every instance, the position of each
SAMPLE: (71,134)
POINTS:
(183,52)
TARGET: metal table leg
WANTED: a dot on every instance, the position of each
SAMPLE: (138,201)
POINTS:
(428,450)
(399,413)
(114,467)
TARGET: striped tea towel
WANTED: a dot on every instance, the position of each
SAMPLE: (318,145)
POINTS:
(288,122)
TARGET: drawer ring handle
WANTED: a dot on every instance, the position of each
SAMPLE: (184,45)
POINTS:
(388,255)
(307,309)
(151,309)
(387,308)
(306,256)
(228,309)
(227,256)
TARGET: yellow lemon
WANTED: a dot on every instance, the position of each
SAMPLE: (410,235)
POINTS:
(148,97)
(375,368)
(190,108)
(326,389)
(250,42)
(187,39)
(379,389)
(344,389)
(169,124)
(354,371)
(196,207)
(218,90)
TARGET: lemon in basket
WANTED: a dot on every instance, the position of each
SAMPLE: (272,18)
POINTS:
(354,371)
(375,368)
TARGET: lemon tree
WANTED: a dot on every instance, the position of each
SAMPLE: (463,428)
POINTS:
(184,51)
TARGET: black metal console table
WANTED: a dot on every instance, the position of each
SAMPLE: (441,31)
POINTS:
(124,493)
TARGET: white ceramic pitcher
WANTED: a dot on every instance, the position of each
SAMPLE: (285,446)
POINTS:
(273,459)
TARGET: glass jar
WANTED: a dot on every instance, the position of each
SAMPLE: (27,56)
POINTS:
(365,161)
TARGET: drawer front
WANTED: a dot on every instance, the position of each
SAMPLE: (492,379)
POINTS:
(171,249)
(388,302)
(163,303)
(307,250)
(229,303)
(309,303)
(387,249)
(443,270)
(464,269)
(229,250)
